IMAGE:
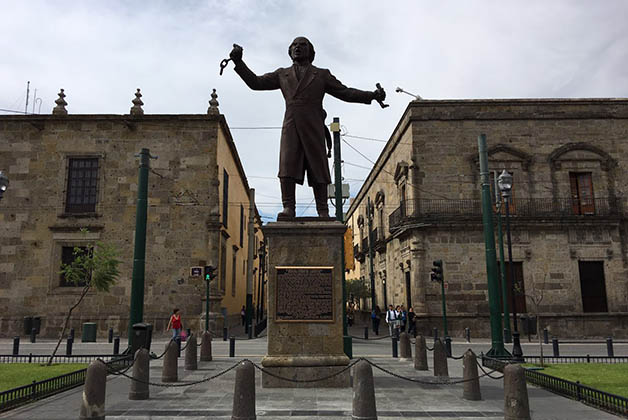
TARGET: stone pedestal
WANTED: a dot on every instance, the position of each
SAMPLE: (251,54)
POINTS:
(305,304)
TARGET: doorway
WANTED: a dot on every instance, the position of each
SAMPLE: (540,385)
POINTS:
(520,299)
(592,286)
(408,291)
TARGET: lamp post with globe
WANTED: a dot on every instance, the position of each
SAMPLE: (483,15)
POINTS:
(504,181)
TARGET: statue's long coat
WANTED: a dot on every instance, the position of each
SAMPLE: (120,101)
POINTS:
(302,134)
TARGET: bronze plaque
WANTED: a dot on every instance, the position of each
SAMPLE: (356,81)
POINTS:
(305,294)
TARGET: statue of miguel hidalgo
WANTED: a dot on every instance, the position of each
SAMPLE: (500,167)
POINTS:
(303,133)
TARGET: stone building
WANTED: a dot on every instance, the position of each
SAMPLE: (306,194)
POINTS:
(69,172)
(569,230)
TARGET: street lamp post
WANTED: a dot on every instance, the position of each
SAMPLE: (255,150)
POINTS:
(505,185)
(502,265)
(4,183)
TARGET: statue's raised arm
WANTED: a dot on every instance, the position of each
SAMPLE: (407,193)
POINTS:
(303,87)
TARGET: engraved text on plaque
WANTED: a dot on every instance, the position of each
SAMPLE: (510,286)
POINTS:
(304,294)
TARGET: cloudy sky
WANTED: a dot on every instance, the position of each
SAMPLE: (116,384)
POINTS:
(100,52)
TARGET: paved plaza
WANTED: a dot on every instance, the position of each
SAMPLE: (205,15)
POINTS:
(396,398)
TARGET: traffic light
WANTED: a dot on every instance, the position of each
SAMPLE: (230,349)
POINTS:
(209,272)
(437,271)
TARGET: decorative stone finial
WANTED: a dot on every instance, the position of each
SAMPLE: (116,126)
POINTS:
(213,104)
(61,103)
(136,109)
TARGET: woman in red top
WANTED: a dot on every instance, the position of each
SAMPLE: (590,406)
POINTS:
(175,323)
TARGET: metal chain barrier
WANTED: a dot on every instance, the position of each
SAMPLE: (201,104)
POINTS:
(428,348)
(487,373)
(186,345)
(113,371)
(349,366)
(370,339)
(178,385)
(266,371)
(162,354)
(457,357)
(405,378)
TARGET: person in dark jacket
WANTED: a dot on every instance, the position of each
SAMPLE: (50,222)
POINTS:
(375,318)
(411,323)
(303,132)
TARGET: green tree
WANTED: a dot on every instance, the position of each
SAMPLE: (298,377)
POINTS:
(95,266)
(357,288)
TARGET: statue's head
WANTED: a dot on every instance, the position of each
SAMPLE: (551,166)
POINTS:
(301,49)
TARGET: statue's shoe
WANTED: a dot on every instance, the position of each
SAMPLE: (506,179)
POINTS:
(286,213)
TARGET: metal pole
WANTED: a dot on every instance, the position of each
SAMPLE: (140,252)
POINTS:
(371,270)
(258,316)
(207,304)
(511,267)
(502,267)
(497,340)
(517,351)
(249,270)
(442,289)
(335,128)
(263,282)
(28,86)
(139,253)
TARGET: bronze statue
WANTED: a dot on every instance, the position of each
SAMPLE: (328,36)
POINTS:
(303,133)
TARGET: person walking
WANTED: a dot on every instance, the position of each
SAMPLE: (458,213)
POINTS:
(176,324)
(243,315)
(375,318)
(391,319)
(403,316)
(350,314)
(411,322)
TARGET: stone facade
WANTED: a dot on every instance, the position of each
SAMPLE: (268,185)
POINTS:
(186,225)
(425,188)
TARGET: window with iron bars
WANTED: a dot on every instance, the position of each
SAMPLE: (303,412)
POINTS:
(82,186)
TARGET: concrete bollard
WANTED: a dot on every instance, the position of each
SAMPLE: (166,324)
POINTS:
(206,347)
(405,351)
(471,389)
(440,359)
(420,353)
(93,402)
(169,372)
(364,407)
(141,374)
(244,393)
(190,354)
(516,404)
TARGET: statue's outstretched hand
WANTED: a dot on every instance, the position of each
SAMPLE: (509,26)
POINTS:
(236,53)
(379,95)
